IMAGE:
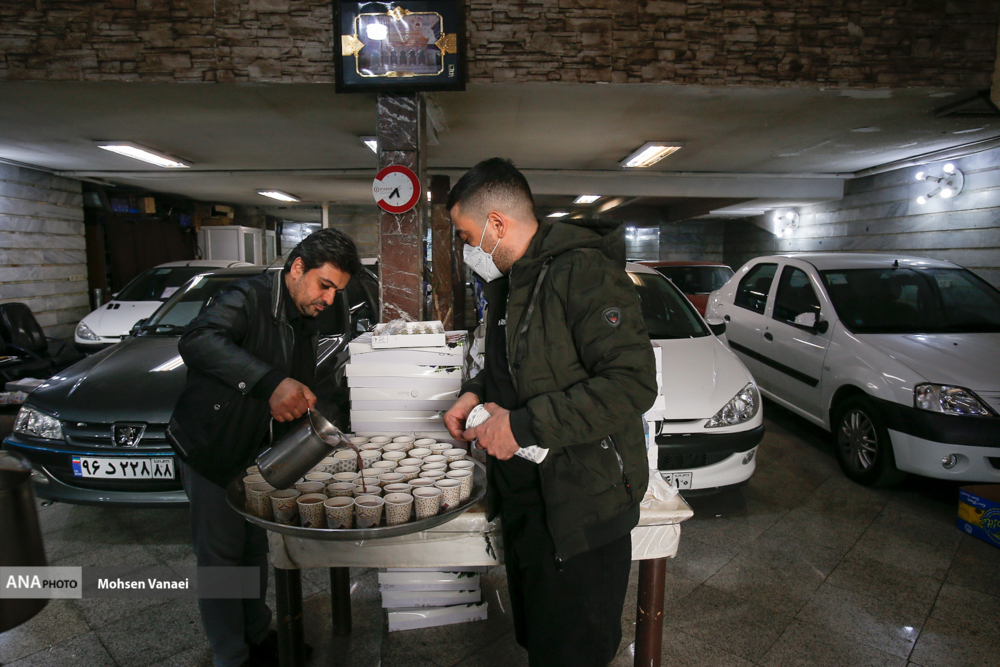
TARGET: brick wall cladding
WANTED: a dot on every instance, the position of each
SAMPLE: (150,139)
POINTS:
(850,43)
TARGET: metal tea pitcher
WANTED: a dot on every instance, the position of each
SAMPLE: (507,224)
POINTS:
(311,440)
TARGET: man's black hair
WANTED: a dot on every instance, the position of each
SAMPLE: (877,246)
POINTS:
(493,184)
(327,246)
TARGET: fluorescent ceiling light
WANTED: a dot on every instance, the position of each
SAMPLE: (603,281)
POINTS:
(370,142)
(558,214)
(277,194)
(650,153)
(137,152)
(586,199)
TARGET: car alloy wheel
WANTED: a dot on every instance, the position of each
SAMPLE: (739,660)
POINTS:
(858,440)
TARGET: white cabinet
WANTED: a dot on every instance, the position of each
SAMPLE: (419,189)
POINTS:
(238,244)
(270,246)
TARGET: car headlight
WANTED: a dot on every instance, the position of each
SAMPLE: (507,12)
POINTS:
(949,400)
(83,332)
(37,424)
(743,407)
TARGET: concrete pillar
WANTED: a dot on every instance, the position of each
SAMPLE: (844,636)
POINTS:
(398,122)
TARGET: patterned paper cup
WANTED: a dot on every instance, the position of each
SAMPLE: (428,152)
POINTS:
(390,478)
(310,487)
(411,462)
(436,458)
(285,509)
(453,455)
(312,513)
(396,488)
(395,457)
(369,489)
(398,507)
(427,501)
(440,447)
(371,473)
(253,470)
(451,492)
(465,477)
(324,477)
(371,447)
(432,474)
(380,439)
(340,490)
(395,447)
(346,476)
(345,461)
(259,500)
(250,480)
(436,465)
(403,439)
(368,457)
(384,466)
(464,464)
(420,482)
(327,465)
(425,442)
(368,511)
(357,440)
(408,472)
(419,453)
(339,512)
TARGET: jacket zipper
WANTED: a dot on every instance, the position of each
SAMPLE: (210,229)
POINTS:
(621,467)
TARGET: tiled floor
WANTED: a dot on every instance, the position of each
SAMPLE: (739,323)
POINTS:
(799,567)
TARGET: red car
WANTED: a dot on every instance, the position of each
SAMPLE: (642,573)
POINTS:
(696,279)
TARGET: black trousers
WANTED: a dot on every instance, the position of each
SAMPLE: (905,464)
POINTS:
(569,617)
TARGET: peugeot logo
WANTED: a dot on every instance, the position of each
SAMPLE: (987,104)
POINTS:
(127,435)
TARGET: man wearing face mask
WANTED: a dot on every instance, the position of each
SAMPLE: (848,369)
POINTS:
(570,370)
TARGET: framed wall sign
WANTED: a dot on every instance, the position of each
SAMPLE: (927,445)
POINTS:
(400,46)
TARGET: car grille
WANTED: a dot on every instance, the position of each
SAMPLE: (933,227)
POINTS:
(98,435)
(669,461)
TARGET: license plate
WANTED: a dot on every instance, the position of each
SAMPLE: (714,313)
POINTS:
(130,468)
(682,480)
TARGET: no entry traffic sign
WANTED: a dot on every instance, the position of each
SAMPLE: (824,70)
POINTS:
(396,189)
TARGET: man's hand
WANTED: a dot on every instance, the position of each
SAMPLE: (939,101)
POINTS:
(454,419)
(290,400)
(494,434)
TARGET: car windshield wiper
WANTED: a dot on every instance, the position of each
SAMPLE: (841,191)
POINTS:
(163,329)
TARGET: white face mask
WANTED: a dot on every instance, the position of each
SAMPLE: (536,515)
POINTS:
(480,261)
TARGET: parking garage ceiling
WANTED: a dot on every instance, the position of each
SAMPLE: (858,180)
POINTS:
(745,149)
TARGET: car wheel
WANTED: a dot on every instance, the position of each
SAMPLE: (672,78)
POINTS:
(864,448)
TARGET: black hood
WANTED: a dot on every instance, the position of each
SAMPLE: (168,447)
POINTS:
(555,238)
(117,384)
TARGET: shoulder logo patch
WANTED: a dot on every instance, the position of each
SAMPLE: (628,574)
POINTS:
(613,316)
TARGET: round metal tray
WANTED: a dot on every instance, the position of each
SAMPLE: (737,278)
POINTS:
(237,500)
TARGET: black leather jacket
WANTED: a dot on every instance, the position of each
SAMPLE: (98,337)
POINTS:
(217,426)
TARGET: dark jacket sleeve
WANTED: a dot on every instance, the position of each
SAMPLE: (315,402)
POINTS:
(619,359)
(212,342)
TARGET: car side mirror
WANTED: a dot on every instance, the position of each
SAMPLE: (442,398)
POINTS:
(717,329)
(138,325)
(822,326)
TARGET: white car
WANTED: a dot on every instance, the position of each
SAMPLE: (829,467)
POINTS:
(708,421)
(898,356)
(138,300)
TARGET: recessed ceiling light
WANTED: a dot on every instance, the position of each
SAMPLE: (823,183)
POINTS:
(370,142)
(650,153)
(137,152)
(586,199)
(277,194)
(558,214)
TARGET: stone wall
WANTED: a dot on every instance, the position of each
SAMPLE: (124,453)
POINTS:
(880,214)
(43,256)
(847,43)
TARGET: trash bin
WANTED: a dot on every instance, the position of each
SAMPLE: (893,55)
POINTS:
(21,545)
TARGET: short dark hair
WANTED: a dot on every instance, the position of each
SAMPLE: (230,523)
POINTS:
(493,185)
(326,246)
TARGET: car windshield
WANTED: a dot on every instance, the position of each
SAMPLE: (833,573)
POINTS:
(158,284)
(912,301)
(192,298)
(697,279)
(665,310)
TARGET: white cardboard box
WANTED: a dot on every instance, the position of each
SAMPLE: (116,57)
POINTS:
(428,581)
(428,617)
(441,384)
(450,354)
(409,334)
(403,371)
(403,394)
(404,406)
(412,599)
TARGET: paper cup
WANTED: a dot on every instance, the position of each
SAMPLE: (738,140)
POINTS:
(259,500)
(390,478)
(435,458)
(427,501)
(403,439)
(437,465)
(285,510)
(464,464)
(250,480)
(396,488)
(384,466)
(453,455)
(425,442)
(324,477)
(368,489)
(368,457)
(396,457)
(419,453)
(368,511)
(411,462)
(312,513)
(358,440)
(371,473)
(253,470)
(398,507)
(465,477)
(420,482)
(346,476)
(451,492)
(371,447)
(379,439)
(345,461)
(432,474)
(327,465)
(340,490)
(395,447)
(339,512)
(408,472)
(441,447)
(310,487)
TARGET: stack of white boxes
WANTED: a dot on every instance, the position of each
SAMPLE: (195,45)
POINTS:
(426,597)
(405,390)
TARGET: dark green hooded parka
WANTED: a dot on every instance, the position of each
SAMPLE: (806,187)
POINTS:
(583,366)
